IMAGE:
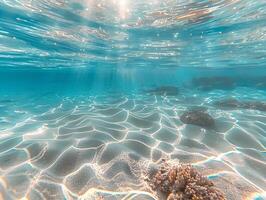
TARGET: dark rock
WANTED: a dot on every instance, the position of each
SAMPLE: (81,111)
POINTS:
(235,104)
(255,105)
(6,101)
(164,90)
(199,118)
(229,103)
(211,83)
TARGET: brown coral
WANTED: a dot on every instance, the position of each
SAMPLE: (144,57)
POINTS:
(183,182)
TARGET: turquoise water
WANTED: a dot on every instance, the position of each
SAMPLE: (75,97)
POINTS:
(94,91)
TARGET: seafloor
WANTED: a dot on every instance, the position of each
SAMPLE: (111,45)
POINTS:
(86,147)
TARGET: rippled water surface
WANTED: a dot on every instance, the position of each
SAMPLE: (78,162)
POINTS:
(94,91)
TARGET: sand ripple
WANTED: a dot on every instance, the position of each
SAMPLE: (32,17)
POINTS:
(87,147)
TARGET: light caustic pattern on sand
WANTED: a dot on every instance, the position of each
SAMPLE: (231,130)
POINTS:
(83,147)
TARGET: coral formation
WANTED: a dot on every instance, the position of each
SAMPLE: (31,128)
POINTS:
(198,118)
(182,182)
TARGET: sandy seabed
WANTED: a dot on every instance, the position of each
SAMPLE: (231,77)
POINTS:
(100,147)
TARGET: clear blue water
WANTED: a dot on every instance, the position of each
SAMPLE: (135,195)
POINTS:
(93,91)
